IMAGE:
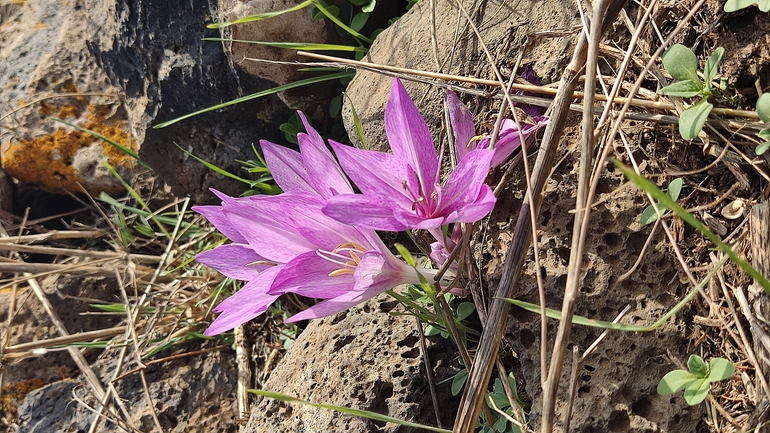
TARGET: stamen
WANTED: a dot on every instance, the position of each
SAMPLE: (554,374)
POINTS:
(343,271)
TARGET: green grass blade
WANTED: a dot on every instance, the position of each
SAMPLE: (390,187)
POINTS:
(138,199)
(339,23)
(117,145)
(664,199)
(214,168)
(350,411)
(103,197)
(262,16)
(303,46)
(357,122)
(261,94)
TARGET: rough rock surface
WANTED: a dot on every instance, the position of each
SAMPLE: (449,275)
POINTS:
(617,384)
(47,71)
(365,358)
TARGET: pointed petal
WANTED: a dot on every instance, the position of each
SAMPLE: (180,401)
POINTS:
(322,231)
(308,275)
(462,124)
(477,210)
(363,211)
(409,136)
(246,304)
(332,306)
(216,216)
(465,182)
(376,174)
(323,172)
(233,261)
(286,167)
(271,237)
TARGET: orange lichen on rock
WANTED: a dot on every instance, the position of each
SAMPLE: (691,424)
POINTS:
(46,160)
(14,393)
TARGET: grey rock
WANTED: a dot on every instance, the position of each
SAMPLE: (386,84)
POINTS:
(365,358)
(154,54)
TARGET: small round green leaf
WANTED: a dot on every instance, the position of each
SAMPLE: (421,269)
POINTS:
(681,63)
(459,381)
(764,5)
(712,65)
(696,392)
(682,89)
(763,107)
(692,120)
(464,310)
(762,148)
(698,366)
(675,188)
(736,5)
(675,381)
(720,369)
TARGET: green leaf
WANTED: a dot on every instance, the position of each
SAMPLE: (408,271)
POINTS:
(339,23)
(359,21)
(712,65)
(764,5)
(350,411)
(736,5)
(763,106)
(681,63)
(464,310)
(271,91)
(697,366)
(692,120)
(459,381)
(696,391)
(720,369)
(675,188)
(682,89)
(405,254)
(335,106)
(649,216)
(762,148)
(501,423)
(675,381)
(764,134)
(659,195)
(262,16)
(357,122)
(369,8)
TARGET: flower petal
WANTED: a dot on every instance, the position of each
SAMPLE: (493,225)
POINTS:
(216,216)
(409,136)
(286,167)
(271,236)
(477,210)
(246,304)
(465,182)
(308,275)
(462,124)
(233,261)
(323,171)
(363,211)
(332,306)
(377,174)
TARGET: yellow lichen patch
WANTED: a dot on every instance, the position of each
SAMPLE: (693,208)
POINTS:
(46,160)
(14,393)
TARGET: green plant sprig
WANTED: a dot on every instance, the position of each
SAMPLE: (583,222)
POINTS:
(696,382)
(666,201)
(649,215)
(682,64)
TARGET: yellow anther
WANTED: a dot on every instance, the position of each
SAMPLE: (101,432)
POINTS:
(343,271)
(262,262)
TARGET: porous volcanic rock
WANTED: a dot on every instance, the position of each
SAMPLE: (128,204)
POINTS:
(617,385)
(365,358)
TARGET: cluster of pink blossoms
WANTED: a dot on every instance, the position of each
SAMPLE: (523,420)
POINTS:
(317,239)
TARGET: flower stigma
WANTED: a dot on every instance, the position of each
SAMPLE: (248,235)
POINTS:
(345,255)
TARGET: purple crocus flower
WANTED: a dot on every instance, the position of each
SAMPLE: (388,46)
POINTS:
(285,244)
(402,190)
(466,141)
